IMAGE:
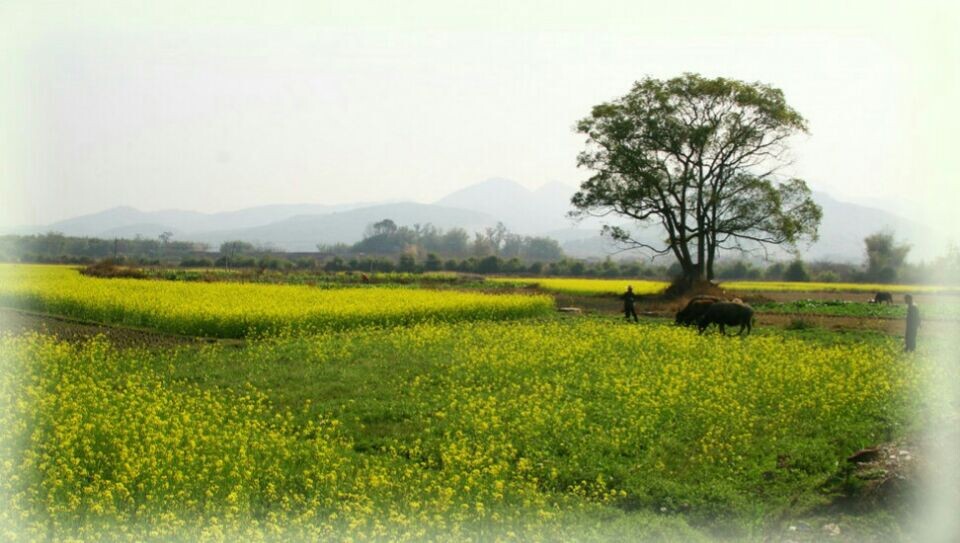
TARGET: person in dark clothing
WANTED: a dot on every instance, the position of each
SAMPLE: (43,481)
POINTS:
(913,324)
(628,308)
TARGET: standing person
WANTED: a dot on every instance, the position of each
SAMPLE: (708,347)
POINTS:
(628,308)
(913,324)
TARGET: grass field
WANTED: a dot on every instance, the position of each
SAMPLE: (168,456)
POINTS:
(590,287)
(811,286)
(535,430)
(941,310)
(411,414)
(232,310)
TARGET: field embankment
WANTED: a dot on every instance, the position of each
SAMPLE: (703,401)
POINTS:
(599,287)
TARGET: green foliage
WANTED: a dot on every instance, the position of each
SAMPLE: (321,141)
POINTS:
(827,277)
(774,272)
(433,263)
(738,270)
(472,429)
(796,271)
(231,249)
(694,155)
(196,262)
(56,247)
(944,310)
(799,324)
(885,257)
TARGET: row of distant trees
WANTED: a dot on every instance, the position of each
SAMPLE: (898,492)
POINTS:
(387,238)
(884,258)
(57,247)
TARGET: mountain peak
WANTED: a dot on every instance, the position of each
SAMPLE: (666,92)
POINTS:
(492,192)
(556,187)
(498,183)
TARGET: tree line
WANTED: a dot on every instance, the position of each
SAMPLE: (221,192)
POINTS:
(387,238)
(57,247)
(884,258)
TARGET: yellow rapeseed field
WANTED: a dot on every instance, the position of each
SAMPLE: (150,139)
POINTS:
(238,310)
(515,431)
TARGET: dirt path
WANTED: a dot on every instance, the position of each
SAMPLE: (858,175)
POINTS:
(652,307)
(17,321)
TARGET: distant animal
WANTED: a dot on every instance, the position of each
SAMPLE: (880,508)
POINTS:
(727,314)
(882,297)
(364,278)
(694,309)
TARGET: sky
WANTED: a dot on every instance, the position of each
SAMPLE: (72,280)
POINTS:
(221,106)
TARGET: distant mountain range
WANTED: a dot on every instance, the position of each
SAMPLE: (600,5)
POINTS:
(543,212)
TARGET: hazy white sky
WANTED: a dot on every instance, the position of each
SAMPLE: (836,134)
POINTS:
(169,105)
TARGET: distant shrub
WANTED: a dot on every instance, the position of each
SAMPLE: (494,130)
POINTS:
(273,263)
(828,277)
(796,271)
(194,262)
(490,264)
(239,261)
(774,272)
(108,269)
(799,324)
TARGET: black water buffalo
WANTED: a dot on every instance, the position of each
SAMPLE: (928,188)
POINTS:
(727,314)
(883,297)
(695,309)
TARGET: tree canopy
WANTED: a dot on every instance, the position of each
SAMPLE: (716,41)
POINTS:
(885,257)
(701,158)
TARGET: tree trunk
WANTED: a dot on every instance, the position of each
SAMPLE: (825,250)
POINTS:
(701,238)
(711,257)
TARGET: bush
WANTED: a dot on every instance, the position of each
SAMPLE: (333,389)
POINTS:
(335,265)
(774,272)
(273,263)
(407,264)
(828,277)
(490,264)
(796,271)
(108,269)
(433,263)
(799,323)
(236,262)
(194,262)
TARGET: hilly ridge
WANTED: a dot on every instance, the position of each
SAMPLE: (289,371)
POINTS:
(543,211)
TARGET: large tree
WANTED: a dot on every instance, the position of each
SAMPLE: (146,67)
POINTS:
(701,158)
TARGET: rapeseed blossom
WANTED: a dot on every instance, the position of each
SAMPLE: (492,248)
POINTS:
(523,430)
(233,310)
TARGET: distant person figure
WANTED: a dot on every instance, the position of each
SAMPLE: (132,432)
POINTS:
(364,277)
(913,324)
(628,308)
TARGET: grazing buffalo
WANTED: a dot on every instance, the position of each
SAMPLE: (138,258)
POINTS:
(695,309)
(727,314)
(883,297)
